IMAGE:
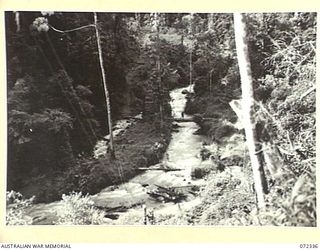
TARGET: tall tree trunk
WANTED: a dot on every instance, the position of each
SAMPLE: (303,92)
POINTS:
(191,69)
(17,19)
(248,104)
(106,92)
(211,22)
(158,64)
(191,50)
(210,28)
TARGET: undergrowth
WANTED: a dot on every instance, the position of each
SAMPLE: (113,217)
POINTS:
(78,209)
(17,209)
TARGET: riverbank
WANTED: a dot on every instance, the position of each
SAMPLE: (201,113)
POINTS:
(213,113)
(141,145)
(227,198)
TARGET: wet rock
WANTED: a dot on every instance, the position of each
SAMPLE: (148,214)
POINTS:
(220,166)
(222,132)
(112,216)
(38,219)
(199,172)
(204,153)
(233,160)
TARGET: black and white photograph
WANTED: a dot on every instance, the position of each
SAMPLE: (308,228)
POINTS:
(161,119)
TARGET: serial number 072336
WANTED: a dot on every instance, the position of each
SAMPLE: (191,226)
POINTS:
(309,246)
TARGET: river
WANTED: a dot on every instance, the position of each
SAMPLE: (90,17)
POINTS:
(134,195)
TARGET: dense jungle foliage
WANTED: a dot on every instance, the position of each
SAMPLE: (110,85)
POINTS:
(56,102)
(57,109)
(282,51)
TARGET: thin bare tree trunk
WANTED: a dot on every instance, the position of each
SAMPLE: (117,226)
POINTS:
(160,94)
(17,19)
(190,76)
(248,104)
(191,50)
(106,92)
(159,73)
